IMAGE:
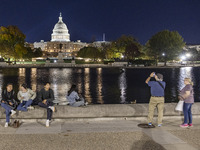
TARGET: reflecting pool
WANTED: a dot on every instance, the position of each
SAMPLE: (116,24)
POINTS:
(102,85)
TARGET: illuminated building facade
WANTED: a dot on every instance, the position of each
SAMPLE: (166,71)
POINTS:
(60,41)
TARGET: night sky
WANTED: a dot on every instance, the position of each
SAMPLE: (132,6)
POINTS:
(89,19)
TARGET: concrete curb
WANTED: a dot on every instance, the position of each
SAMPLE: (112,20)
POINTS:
(100,111)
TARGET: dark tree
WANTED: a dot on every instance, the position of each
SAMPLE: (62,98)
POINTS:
(169,43)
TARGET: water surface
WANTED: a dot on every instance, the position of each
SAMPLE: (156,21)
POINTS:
(103,85)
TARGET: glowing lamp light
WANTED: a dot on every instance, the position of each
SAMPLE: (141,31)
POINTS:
(188,55)
(163,54)
(87,60)
(183,57)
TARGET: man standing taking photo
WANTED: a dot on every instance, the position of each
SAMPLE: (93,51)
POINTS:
(157,97)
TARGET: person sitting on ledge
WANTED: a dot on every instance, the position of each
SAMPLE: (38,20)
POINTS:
(46,97)
(74,98)
(8,102)
(26,96)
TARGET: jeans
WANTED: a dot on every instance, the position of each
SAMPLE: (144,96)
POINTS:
(49,111)
(78,103)
(187,113)
(23,106)
(8,110)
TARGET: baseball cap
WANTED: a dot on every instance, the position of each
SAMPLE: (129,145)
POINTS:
(160,76)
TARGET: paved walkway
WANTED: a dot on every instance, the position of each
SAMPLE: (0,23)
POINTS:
(100,134)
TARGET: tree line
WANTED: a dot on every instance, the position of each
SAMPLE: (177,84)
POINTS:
(163,46)
(12,44)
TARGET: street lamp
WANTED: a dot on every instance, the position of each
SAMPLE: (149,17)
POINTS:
(188,55)
(183,60)
(165,59)
(183,57)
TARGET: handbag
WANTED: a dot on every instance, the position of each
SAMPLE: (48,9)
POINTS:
(16,124)
(179,106)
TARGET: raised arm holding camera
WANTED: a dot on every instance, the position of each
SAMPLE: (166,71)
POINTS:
(157,97)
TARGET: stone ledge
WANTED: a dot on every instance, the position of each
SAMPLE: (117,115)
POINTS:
(99,111)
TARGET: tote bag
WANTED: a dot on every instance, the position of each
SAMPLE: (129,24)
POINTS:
(179,106)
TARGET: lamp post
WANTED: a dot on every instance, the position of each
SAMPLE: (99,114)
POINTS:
(184,58)
(188,55)
(165,60)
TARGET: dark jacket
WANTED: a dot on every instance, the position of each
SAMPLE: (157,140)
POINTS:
(48,95)
(9,97)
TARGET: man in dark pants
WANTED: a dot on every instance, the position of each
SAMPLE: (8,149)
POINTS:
(46,97)
(157,97)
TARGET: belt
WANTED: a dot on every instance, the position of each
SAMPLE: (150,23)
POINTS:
(157,96)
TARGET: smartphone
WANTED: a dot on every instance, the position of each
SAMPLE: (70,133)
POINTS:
(154,74)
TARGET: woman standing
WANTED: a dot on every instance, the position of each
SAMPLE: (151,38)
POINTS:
(26,96)
(187,95)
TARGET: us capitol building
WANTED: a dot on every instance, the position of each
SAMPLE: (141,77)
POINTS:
(60,41)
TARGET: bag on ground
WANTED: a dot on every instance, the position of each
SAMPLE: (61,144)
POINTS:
(16,124)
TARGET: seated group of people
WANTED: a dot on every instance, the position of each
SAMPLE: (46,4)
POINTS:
(27,97)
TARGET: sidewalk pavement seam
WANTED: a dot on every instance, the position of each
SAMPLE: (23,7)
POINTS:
(167,139)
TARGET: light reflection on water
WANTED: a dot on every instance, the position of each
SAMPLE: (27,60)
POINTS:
(102,85)
(122,86)
(185,72)
(99,86)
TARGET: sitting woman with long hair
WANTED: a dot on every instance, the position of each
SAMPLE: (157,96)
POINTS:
(26,97)
(74,98)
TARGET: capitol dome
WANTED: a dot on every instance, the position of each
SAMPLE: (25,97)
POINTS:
(60,31)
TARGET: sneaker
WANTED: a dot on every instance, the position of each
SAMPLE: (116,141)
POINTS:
(184,125)
(47,123)
(86,103)
(150,124)
(6,125)
(13,112)
(52,108)
(30,107)
(190,125)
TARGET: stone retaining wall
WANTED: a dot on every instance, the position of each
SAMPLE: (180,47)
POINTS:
(99,111)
